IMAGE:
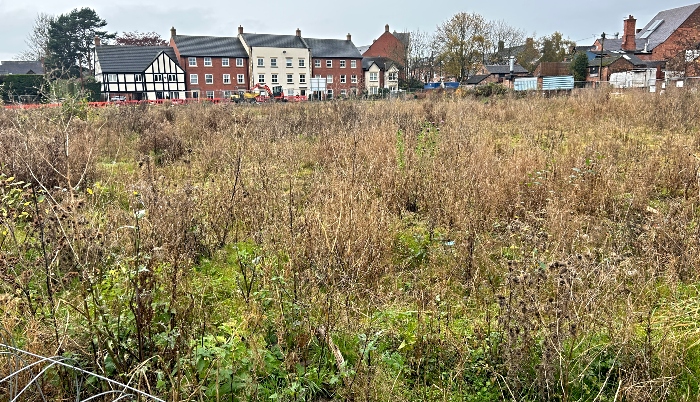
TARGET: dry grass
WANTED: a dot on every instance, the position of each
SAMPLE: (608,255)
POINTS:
(520,248)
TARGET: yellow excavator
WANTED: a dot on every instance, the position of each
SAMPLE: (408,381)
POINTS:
(259,93)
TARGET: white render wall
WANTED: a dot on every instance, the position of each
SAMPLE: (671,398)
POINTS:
(281,70)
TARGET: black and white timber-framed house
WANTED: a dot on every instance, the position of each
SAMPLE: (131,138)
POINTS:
(139,73)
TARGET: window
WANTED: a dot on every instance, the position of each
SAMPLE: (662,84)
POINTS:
(329,63)
(192,61)
(329,93)
(393,76)
(194,79)
(261,78)
(224,62)
(329,79)
(317,63)
(172,77)
(342,79)
(302,78)
(207,62)
(261,62)
(227,78)
(208,78)
(353,79)
(227,94)
(353,63)
(343,92)
(342,64)
(374,77)
(138,77)
(290,78)
(373,90)
(210,94)
(239,62)
(317,76)
(157,77)
(290,63)
(302,62)
(241,79)
(274,78)
(111,78)
(273,62)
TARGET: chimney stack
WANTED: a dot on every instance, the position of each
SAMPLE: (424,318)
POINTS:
(173,32)
(349,38)
(97,41)
(386,28)
(501,45)
(298,32)
(628,41)
(240,29)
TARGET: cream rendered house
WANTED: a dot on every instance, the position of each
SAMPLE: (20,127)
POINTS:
(380,73)
(278,60)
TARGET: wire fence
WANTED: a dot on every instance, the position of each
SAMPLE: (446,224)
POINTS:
(26,376)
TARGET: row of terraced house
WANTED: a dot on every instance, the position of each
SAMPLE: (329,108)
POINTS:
(216,67)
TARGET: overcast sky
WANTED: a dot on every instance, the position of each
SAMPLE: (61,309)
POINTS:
(579,21)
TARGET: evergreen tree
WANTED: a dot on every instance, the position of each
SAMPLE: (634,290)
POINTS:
(579,66)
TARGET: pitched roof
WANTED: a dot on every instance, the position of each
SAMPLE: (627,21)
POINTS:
(212,46)
(269,40)
(21,67)
(129,59)
(383,63)
(363,49)
(671,20)
(403,37)
(332,48)
(505,69)
(475,79)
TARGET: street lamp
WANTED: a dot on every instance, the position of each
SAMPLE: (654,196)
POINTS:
(600,70)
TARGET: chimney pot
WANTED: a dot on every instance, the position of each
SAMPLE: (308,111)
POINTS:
(349,37)
(386,28)
(173,32)
(240,29)
(97,41)
(298,32)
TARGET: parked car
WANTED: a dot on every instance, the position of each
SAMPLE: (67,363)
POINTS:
(118,98)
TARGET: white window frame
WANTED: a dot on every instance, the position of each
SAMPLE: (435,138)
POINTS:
(239,62)
(353,63)
(353,79)
(302,78)
(194,79)
(329,92)
(261,62)
(207,62)
(290,78)
(210,94)
(329,79)
(342,63)
(373,77)
(273,62)
(192,61)
(343,79)
(225,62)
(112,78)
(302,63)
(261,78)
(208,78)
(343,92)
(274,80)
(329,63)
(240,79)
(227,78)
(289,62)
(393,76)
(373,90)
(317,63)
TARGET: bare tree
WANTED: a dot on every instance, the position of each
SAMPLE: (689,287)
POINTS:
(462,40)
(38,39)
(504,39)
(421,55)
(136,38)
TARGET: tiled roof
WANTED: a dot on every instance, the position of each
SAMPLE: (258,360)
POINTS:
(212,46)
(475,79)
(672,19)
(332,48)
(21,67)
(505,69)
(269,40)
(363,49)
(384,63)
(403,37)
(129,59)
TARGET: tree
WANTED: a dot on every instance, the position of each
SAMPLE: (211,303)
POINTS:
(530,55)
(579,66)
(421,56)
(462,40)
(555,47)
(71,42)
(38,39)
(136,38)
(503,39)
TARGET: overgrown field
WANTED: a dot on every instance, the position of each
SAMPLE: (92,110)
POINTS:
(456,250)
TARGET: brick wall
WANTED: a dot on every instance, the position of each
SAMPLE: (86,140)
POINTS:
(387,45)
(685,37)
(218,71)
(336,71)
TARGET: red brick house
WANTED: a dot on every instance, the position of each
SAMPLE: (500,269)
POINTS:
(339,62)
(390,45)
(215,67)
